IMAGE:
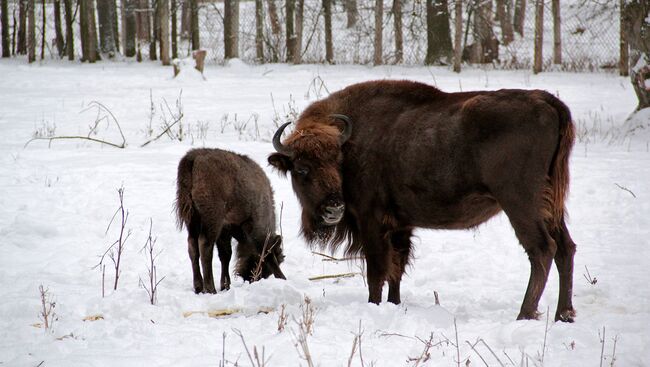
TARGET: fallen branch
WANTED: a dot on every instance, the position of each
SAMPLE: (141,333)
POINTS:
(333,276)
(625,189)
(336,259)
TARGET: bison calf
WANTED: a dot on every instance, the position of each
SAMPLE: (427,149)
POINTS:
(221,195)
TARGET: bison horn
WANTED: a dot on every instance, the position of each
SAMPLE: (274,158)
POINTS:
(278,145)
(347,131)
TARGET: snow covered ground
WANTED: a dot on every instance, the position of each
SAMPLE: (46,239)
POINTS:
(57,202)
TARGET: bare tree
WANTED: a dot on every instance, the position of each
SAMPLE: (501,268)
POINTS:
(231,29)
(505,21)
(129,27)
(458,34)
(329,46)
(352,12)
(624,62)
(439,50)
(637,30)
(88,27)
(290,38)
(300,11)
(43,28)
(485,48)
(105,15)
(21,47)
(275,30)
(520,16)
(379,30)
(174,35)
(194,24)
(557,32)
(4,8)
(69,33)
(31,32)
(163,26)
(399,39)
(58,31)
(259,31)
(539,36)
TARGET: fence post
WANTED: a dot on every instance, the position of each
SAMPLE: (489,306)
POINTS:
(557,32)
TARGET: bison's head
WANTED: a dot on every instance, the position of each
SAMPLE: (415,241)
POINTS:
(314,157)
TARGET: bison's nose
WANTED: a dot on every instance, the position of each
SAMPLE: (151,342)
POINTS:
(333,214)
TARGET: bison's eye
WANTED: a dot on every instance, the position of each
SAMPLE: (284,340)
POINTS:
(301,171)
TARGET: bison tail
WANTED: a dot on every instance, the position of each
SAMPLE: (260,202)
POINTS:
(183,205)
(559,171)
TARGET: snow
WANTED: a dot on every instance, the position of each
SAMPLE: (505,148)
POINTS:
(57,202)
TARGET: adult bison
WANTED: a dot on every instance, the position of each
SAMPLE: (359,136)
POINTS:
(373,161)
(221,195)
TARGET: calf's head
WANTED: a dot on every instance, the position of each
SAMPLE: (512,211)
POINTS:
(313,157)
(260,260)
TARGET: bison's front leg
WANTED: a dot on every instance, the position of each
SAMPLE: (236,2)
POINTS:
(224,248)
(377,264)
(400,243)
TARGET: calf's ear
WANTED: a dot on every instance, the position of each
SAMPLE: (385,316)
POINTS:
(281,162)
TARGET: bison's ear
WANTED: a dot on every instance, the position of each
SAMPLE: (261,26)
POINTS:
(281,162)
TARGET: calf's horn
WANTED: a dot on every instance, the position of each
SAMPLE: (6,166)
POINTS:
(347,131)
(278,145)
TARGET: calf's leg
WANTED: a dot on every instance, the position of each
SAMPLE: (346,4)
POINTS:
(224,248)
(206,249)
(193,250)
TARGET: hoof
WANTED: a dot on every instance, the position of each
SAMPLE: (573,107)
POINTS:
(531,315)
(566,315)
(198,290)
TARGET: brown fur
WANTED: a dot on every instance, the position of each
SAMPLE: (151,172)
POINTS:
(419,157)
(221,195)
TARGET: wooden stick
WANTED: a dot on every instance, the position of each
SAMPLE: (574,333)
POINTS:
(333,276)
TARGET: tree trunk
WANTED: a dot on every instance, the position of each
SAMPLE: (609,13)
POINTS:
(520,16)
(300,11)
(379,30)
(154,30)
(290,37)
(174,8)
(557,32)
(105,16)
(276,29)
(259,31)
(637,31)
(88,29)
(458,34)
(485,48)
(329,46)
(186,20)
(399,39)
(539,36)
(57,28)
(231,29)
(624,62)
(43,28)
(439,50)
(116,31)
(69,35)
(31,32)
(21,48)
(163,24)
(352,12)
(129,25)
(194,13)
(6,51)
(506,23)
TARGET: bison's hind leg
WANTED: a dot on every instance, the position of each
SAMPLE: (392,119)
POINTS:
(522,204)
(193,229)
(224,248)
(566,249)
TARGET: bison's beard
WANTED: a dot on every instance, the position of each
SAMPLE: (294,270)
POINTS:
(315,231)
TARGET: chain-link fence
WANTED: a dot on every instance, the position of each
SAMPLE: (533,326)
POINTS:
(590,33)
